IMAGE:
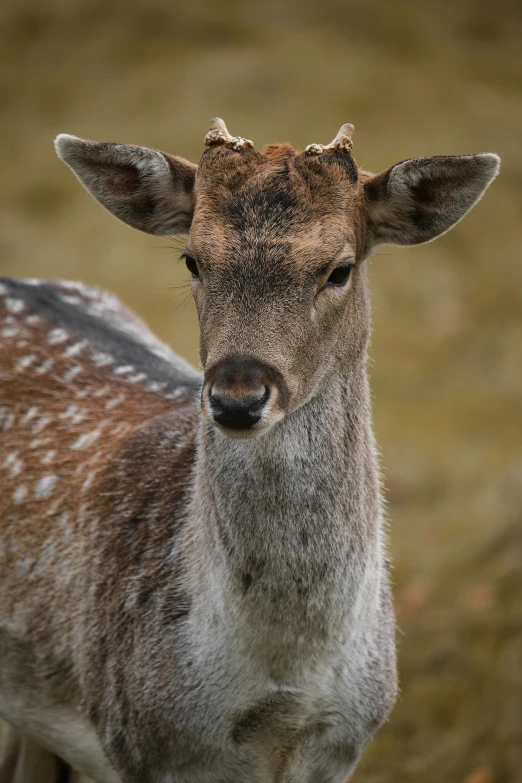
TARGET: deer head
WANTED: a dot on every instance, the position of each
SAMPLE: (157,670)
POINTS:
(276,250)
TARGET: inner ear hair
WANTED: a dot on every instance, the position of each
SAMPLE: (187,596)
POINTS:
(149,190)
(419,199)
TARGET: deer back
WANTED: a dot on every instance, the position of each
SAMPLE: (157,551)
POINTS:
(97,419)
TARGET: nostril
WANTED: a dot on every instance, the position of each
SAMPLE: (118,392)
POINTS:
(238,412)
(215,398)
(259,398)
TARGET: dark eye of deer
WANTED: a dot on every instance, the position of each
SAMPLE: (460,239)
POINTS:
(340,275)
(192,266)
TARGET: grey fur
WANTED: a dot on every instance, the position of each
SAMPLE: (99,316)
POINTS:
(219,609)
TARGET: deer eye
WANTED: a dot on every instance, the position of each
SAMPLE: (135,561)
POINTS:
(340,275)
(191,265)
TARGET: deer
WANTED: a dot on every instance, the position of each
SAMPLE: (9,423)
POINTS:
(194,573)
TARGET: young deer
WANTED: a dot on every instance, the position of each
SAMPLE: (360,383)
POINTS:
(193,568)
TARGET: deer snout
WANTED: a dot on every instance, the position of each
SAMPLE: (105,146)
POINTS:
(238,413)
(241,392)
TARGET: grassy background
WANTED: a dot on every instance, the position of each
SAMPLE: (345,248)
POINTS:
(416,78)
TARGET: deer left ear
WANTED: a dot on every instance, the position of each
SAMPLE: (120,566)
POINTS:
(419,199)
(145,188)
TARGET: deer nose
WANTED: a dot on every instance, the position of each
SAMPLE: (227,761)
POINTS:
(238,413)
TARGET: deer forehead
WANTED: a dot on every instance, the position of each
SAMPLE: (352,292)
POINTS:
(272,211)
(284,178)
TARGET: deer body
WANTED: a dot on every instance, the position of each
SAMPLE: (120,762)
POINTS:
(184,602)
(255,567)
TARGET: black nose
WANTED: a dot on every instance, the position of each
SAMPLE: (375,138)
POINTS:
(238,413)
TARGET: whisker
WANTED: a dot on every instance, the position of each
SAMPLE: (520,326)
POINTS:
(182,304)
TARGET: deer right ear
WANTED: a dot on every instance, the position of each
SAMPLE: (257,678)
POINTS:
(421,198)
(147,189)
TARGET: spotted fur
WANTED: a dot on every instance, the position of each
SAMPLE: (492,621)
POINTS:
(181,603)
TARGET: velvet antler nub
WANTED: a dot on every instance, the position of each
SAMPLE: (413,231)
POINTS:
(219,135)
(343,141)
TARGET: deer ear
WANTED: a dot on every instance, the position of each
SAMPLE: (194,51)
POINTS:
(147,189)
(420,199)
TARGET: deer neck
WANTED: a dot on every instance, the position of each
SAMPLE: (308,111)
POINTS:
(290,521)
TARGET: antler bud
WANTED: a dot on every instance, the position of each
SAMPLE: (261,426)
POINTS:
(218,134)
(343,141)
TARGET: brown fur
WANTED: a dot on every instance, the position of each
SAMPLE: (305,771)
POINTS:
(210,609)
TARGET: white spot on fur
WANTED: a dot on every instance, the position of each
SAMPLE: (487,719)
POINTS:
(31,413)
(74,300)
(10,331)
(57,336)
(141,376)
(124,369)
(72,373)
(49,457)
(44,367)
(67,414)
(115,401)
(74,350)
(102,359)
(154,386)
(86,439)
(33,319)
(96,309)
(37,442)
(120,428)
(88,481)
(9,421)
(20,494)
(14,305)
(15,464)
(173,395)
(16,467)
(53,508)
(43,422)
(45,485)
(23,363)
(74,414)
(130,601)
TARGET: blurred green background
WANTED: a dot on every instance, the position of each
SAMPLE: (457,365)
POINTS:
(415,78)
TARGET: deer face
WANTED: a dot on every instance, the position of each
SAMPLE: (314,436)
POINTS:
(276,251)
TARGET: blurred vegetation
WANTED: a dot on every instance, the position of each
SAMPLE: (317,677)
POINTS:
(416,78)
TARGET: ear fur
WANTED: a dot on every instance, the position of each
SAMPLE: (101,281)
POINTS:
(417,200)
(147,189)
